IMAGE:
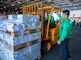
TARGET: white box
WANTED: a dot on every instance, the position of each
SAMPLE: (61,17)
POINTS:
(12,27)
(12,17)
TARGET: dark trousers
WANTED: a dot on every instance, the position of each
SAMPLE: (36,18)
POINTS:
(64,49)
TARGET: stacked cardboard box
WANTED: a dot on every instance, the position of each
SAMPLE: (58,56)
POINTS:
(18,25)
(22,54)
(35,50)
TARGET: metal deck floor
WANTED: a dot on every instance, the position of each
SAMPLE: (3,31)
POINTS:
(74,47)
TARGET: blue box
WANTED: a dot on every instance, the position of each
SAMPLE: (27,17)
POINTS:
(30,26)
(26,18)
(35,51)
(13,41)
(20,40)
(39,35)
(10,39)
(1,35)
(39,25)
(3,26)
(33,36)
(26,53)
(12,17)
(27,38)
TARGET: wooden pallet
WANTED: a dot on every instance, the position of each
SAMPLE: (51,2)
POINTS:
(15,34)
(27,44)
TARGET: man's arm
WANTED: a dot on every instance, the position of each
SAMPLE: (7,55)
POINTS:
(60,17)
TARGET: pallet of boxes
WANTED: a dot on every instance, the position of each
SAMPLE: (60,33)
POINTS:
(20,37)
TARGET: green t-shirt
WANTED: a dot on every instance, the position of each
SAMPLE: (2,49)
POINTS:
(65,30)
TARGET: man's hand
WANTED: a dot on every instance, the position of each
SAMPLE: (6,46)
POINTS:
(58,42)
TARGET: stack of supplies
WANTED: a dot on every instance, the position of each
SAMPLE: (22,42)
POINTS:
(19,37)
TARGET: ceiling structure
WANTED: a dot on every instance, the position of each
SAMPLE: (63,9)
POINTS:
(17,4)
(66,4)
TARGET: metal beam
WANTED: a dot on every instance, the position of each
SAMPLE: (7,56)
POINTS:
(4,2)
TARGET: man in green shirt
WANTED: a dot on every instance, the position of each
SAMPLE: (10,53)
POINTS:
(65,33)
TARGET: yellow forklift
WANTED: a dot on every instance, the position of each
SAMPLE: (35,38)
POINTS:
(49,35)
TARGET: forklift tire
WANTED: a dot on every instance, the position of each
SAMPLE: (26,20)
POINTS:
(46,46)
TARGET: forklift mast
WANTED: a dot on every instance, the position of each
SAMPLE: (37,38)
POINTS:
(49,35)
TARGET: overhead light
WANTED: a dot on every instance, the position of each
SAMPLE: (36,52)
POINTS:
(8,10)
(20,10)
(1,8)
(20,7)
(16,12)
(49,0)
(15,8)
(3,11)
(4,7)
(12,5)
(19,2)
